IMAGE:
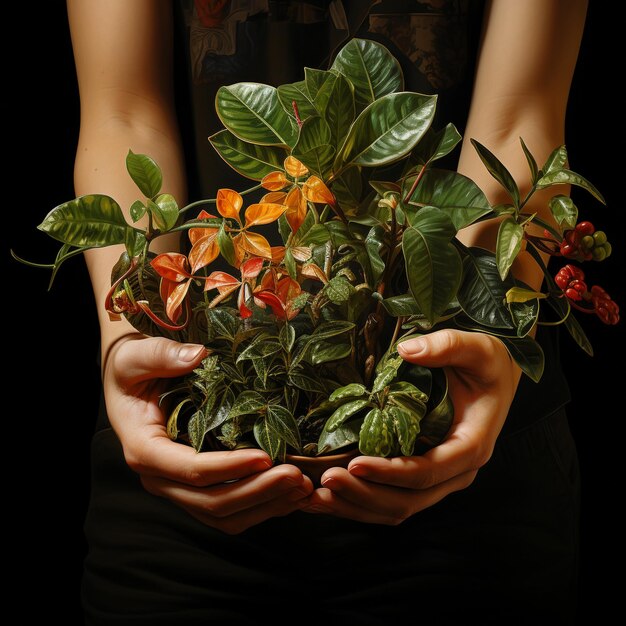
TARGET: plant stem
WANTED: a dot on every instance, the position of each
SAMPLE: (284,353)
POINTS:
(414,185)
(199,203)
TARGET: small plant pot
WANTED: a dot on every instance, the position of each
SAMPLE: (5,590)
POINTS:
(315,466)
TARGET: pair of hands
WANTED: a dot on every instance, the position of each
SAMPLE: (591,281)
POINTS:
(233,490)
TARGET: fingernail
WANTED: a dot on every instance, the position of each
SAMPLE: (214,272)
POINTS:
(331,483)
(190,352)
(261,465)
(413,346)
(358,470)
(315,508)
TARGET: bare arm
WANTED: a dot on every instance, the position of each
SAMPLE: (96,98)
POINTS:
(123,53)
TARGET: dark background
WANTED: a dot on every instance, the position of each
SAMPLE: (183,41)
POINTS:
(52,338)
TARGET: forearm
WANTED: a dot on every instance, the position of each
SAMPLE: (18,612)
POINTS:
(100,168)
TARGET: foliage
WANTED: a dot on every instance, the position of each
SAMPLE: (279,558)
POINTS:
(302,332)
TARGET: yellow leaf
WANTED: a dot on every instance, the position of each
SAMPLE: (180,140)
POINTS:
(519,294)
(311,270)
(274,181)
(204,252)
(229,203)
(296,208)
(301,253)
(315,190)
(295,168)
(263,213)
(254,244)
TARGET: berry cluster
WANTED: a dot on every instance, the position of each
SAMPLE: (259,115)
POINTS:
(584,242)
(571,280)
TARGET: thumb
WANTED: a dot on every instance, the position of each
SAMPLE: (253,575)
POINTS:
(139,359)
(450,347)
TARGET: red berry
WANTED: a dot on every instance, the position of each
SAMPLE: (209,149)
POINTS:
(585,228)
(572,294)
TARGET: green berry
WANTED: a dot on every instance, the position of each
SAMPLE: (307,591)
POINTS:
(608,248)
(587,242)
(599,237)
(599,254)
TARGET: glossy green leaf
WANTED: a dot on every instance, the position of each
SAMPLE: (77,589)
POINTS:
(482,293)
(436,424)
(528,355)
(353,390)
(509,243)
(338,290)
(433,265)
(146,174)
(89,221)
(498,170)
(135,242)
(344,412)
(226,246)
(348,190)
(525,316)
(331,329)
(404,388)
(248,159)
(564,311)
(387,130)
(384,378)
(164,211)
(304,382)
(296,92)
(315,80)
(324,352)
(137,210)
(172,421)
(371,68)
(532,163)
(259,350)
(222,323)
(374,244)
(283,423)
(435,145)
(268,439)
(567,177)
(246,403)
(314,146)
(556,161)
(341,437)
(377,434)
(335,102)
(564,211)
(406,426)
(458,196)
(317,235)
(401,306)
(287,337)
(252,112)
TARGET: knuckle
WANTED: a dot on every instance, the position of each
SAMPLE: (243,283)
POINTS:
(134,459)
(192,476)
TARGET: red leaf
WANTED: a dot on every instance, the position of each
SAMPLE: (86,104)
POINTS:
(172,266)
(273,301)
(175,299)
(251,268)
(221,281)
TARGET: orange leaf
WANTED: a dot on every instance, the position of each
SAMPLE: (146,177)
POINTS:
(301,253)
(310,270)
(287,289)
(264,213)
(296,208)
(204,251)
(174,301)
(274,181)
(255,244)
(295,168)
(172,266)
(278,254)
(251,268)
(229,203)
(315,190)
(198,233)
(274,197)
(223,282)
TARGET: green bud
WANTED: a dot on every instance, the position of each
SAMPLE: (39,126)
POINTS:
(599,237)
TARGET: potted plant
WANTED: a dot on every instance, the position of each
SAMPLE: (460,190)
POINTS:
(302,330)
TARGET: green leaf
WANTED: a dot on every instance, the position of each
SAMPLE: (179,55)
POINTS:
(336,104)
(304,382)
(435,145)
(556,160)
(374,243)
(532,163)
(268,439)
(564,211)
(387,130)
(146,174)
(137,210)
(509,243)
(436,424)
(326,330)
(406,426)
(376,436)
(165,215)
(527,353)
(283,423)
(314,146)
(353,390)
(384,378)
(222,323)
(401,306)
(338,290)
(371,68)
(453,193)
(172,422)
(259,350)
(89,221)
(299,93)
(497,169)
(287,337)
(248,159)
(405,388)
(252,112)
(246,403)
(324,352)
(344,412)
(343,436)
(348,189)
(135,242)
(564,310)
(482,293)
(225,243)
(525,315)
(433,265)
(315,80)
(567,177)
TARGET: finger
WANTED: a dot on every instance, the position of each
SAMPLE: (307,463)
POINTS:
(376,504)
(161,457)
(458,454)
(455,348)
(228,499)
(144,358)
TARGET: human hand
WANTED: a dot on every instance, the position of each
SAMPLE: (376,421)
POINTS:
(482,380)
(228,490)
